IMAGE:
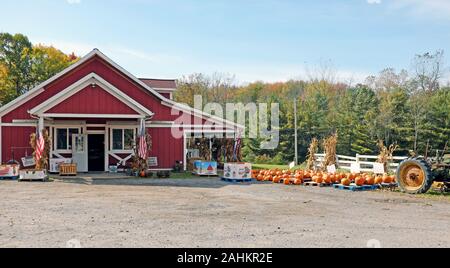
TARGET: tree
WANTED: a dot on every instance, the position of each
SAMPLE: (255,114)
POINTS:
(15,56)
(48,61)
(428,69)
(23,66)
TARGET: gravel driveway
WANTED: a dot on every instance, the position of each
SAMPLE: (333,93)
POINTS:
(209,213)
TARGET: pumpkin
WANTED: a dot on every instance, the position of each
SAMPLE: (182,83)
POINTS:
(260,178)
(393,178)
(143,174)
(315,178)
(298,181)
(378,180)
(360,181)
(319,180)
(370,180)
(327,179)
(276,179)
(307,175)
(287,181)
(345,181)
(387,179)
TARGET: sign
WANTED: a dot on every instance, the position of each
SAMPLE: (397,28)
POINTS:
(205,168)
(152,161)
(331,169)
(9,171)
(354,168)
(292,165)
(28,161)
(378,168)
(237,171)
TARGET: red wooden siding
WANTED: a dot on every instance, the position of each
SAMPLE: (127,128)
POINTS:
(165,147)
(17,139)
(92,101)
(107,72)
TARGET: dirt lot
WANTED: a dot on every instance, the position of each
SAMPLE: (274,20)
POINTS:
(209,213)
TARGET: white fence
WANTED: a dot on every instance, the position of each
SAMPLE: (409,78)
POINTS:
(365,162)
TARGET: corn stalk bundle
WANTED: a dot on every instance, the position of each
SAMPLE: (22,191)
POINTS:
(386,154)
(205,152)
(312,150)
(139,164)
(329,145)
(42,164)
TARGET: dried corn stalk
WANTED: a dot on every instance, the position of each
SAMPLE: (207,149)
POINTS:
(42,164)
(386,154)
(329,145)
(312,150)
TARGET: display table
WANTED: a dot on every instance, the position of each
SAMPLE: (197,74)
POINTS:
(237,172)
(205,168)
(10,172)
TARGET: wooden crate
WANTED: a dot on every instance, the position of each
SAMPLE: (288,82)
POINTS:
(68,169)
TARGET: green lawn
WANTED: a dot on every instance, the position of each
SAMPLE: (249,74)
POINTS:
(267,166)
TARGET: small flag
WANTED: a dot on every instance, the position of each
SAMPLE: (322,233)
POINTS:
(40,146)
(142,151)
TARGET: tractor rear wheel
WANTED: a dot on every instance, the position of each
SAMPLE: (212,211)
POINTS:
(414,176)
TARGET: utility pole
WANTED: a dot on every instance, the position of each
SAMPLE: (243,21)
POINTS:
(295,132)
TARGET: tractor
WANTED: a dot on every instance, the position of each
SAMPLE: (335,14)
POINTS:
(417,174)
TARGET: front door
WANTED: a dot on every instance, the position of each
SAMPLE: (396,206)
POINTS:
(96,152)
(79,152)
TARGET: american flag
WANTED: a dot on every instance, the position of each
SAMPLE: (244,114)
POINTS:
(237,145)
(40,145)
(142,151)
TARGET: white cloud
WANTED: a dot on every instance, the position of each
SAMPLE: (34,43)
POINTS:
(373,2)
(73,2)
(424,8)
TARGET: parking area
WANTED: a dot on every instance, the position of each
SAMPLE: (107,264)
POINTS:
(206,212)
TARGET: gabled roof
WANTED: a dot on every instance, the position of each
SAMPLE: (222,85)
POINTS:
(90,79)
(160,83)
(164,101)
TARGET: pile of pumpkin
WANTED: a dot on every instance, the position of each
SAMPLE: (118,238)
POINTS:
(297,177)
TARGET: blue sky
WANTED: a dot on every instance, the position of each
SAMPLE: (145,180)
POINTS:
(270,40)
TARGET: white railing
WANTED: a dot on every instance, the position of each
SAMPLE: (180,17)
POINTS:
(365,162)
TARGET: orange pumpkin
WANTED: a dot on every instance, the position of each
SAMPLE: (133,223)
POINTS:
(370,180)
(276,179)
(345,181)
(327,179)
(298,181)
(260,178)
(360,181)
(378,180)
(287,181)
(393,178)
(387,179)
(319,180)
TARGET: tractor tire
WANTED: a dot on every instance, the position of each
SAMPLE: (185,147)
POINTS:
(414,176)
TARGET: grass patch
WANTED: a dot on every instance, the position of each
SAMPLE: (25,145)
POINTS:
(268,166)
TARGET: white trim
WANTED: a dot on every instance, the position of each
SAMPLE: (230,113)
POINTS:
(125,116)
(55,138)
(123,128)
(10,106)
(95,132)
(78,86)
(17,125)
(106,149)
(164,89)
(20,121)
(65,123)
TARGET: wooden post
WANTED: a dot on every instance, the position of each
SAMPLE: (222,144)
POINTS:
(295,133)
